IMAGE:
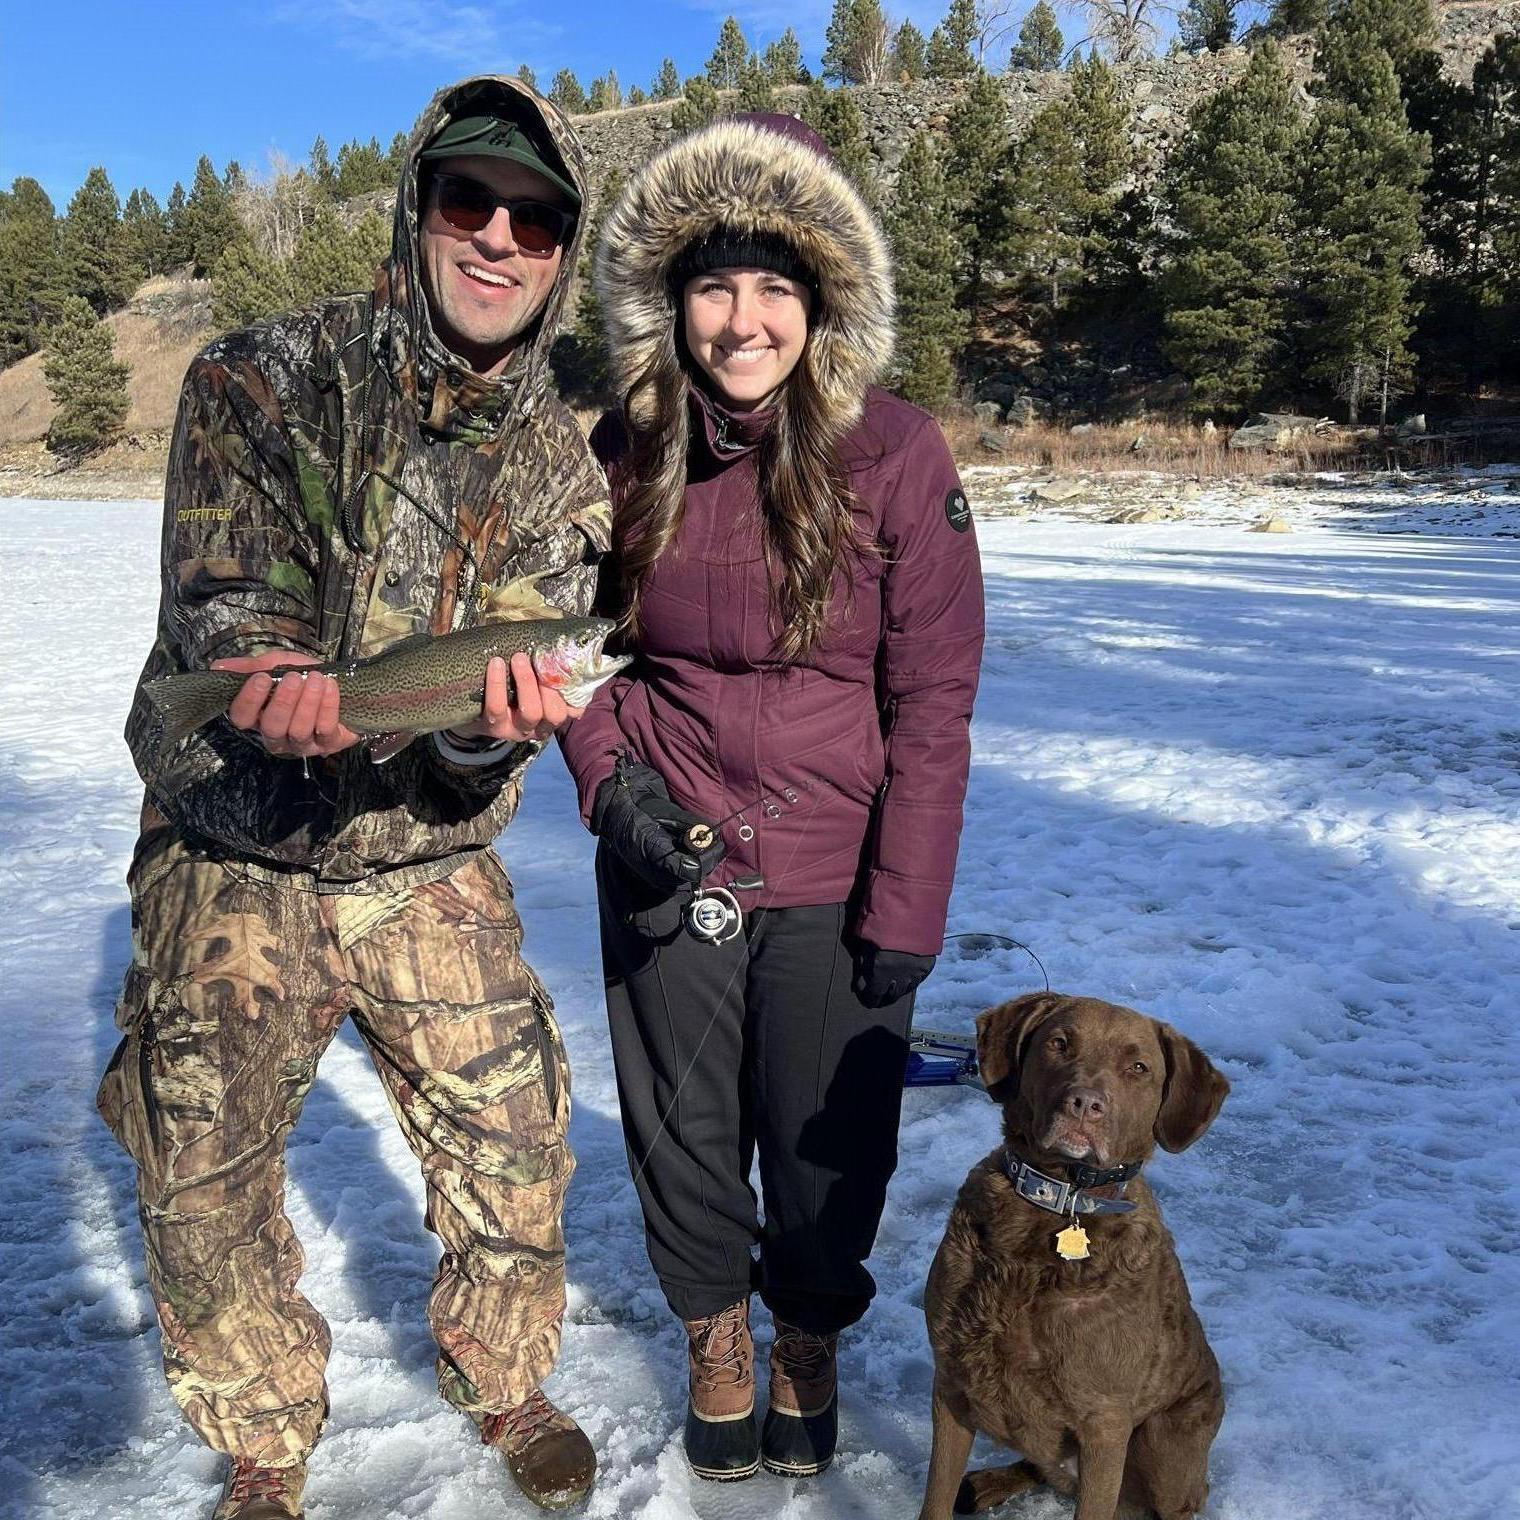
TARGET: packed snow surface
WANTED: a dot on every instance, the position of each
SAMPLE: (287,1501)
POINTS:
(1262,786)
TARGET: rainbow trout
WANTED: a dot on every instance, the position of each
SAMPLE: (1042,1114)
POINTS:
(422,684)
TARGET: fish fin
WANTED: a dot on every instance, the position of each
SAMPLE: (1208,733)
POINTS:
(409,641)
(182,703)
(385,747)
(519,600)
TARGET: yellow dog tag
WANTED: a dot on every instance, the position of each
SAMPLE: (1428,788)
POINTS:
(1071,1243)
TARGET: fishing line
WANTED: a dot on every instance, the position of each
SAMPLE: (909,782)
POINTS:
(718,1004)
(1009,944)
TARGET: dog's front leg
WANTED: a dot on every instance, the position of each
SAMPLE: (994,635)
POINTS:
(947,1457)
(1102,1446)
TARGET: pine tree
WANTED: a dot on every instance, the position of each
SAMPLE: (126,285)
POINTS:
(1068,181)
(976,135)
(636,95)
(362,167)
(909,53)
(567,94)
(234,178)
(85,379)
(248,285)
(931,326)
(331,259)
(395,158)
(667,83)
(606,94)
(592,374)
(1229,194)
(210,221)
(1206,26)
(323,175)
(1040,43)
(729,57)
(1295,18)
(528,77)
(755,90)
(857,43)
(145,231)
(1402,28)
(697,106)
(1490,287)
(96,259)
(783,59)
(834,115)
(952,44)
(31,269)
(1361,201)
(177,246)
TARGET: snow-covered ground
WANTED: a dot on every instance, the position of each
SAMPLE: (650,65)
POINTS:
(1266,787)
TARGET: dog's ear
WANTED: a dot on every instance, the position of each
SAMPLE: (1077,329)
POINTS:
(1001,1033)
(1194,1090)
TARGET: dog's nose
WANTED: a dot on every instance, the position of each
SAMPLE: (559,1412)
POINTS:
(1084,1103)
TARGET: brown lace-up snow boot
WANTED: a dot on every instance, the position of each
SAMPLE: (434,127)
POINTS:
(546,1451)
(802,1422)
(251,1492)
(721,1440)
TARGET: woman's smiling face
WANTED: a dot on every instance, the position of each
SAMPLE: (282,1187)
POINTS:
(746,329)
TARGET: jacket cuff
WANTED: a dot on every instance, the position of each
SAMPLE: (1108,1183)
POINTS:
(492,761)
(903,913)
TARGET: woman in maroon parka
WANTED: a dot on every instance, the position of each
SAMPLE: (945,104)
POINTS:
(796,563)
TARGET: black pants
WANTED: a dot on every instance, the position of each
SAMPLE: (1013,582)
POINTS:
(756,1044)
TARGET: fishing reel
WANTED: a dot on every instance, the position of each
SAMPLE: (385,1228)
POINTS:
(712,916)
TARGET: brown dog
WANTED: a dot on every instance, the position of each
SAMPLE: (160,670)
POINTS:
(1085,1356)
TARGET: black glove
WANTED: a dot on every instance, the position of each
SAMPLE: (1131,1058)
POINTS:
(634,816)
(883,976)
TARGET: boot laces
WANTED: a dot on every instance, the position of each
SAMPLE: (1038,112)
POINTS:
(250,1481)
(805,1356)
(518,1424)
(719,1343)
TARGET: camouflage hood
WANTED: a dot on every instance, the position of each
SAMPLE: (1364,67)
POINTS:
(452,398)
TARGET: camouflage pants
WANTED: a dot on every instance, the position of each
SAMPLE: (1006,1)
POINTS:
(238,982)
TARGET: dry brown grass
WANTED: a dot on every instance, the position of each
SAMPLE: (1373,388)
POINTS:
(1171,448)
(156,340)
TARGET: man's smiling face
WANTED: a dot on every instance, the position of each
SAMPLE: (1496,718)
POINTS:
(483,291)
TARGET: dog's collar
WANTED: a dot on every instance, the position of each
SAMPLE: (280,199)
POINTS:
(1057,1197)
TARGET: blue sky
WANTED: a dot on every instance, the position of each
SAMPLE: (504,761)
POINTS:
(145,88)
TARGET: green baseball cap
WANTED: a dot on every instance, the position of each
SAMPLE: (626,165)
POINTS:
(496,137)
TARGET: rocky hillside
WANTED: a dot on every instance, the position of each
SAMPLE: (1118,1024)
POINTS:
(169,319)
(1164,88)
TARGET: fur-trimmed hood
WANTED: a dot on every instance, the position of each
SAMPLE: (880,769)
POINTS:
(738,174)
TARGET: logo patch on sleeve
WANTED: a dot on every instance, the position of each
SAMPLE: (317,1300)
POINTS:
(958,511)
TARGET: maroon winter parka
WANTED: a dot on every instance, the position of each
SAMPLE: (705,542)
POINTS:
(870,732)
(846,769)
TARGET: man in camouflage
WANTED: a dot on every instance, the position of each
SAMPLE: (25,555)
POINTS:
(379,466)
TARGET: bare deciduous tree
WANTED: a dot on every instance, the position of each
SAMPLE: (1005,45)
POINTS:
(276,206)
(1125,29)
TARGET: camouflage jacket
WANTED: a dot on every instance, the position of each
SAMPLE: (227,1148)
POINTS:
(339,481)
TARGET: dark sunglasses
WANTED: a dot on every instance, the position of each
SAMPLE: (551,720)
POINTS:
(468,206)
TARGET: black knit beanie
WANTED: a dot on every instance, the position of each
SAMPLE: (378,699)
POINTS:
(729,248)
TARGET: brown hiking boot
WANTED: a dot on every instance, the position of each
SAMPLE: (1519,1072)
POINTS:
(802,1423)
(251,1492)
(721,1440)
(546,1451)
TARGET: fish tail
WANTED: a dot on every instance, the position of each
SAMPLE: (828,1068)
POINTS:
(182,703)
